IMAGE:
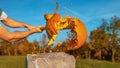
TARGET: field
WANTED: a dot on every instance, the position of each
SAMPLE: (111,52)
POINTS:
(13,62)
(96,64)
(20,62)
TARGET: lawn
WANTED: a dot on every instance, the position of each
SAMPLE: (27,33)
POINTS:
(20,62)
(96,64)
(12,62)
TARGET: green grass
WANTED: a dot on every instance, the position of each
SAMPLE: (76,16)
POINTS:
(12,62)
(96,64)
(20,62)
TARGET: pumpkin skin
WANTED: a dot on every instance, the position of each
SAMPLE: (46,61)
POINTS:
(74,24)
(50,24)
(81,34)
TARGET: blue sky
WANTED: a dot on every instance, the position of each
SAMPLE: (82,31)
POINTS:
(32,12)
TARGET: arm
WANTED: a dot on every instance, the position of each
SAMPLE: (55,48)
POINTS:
(15,24)
(15,36)
(12,23)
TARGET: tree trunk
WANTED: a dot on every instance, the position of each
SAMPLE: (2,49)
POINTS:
(9,54)
(113,55)
(100,55)
(15,52)
(89,54)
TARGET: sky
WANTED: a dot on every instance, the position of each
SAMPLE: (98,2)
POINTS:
(91,12)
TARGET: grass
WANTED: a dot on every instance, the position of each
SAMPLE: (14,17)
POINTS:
(96,64)
(12,62)
(20,62)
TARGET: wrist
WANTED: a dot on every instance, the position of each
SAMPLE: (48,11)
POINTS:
(33,31)
(28,26)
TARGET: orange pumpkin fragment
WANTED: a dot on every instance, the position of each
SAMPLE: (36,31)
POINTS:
(54,23)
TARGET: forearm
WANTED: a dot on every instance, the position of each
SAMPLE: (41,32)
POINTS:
(13,23)
(20,35)
(14,36)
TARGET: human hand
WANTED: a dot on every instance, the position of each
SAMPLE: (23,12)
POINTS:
(38,29)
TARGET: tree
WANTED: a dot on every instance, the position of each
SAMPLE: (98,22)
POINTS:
(6,48)
(99,39)
(115,35)
(105,40)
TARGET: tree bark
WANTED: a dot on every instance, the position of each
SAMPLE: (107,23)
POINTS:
(113,55)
